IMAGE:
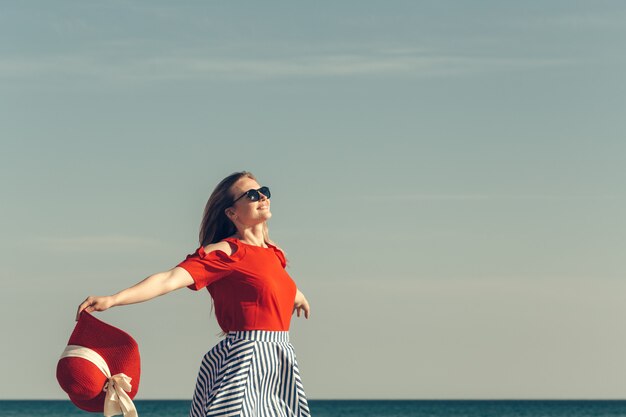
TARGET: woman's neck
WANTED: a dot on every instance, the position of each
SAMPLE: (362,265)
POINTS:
(251,237)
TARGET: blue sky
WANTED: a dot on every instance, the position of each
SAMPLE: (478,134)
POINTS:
(447,181)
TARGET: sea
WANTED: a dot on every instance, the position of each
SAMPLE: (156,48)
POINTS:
(358,408)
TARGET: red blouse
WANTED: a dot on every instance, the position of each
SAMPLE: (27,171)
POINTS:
(250,288)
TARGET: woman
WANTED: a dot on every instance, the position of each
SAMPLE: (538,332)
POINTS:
(252,371)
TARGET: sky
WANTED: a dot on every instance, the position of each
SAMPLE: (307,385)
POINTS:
(447,183)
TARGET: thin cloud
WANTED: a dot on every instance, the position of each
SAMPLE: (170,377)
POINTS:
(469,197)
(94,243)
(577,21)
(200,65)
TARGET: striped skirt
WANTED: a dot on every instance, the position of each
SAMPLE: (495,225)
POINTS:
(250,373)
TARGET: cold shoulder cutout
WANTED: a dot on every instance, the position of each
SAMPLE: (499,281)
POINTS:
(237,251)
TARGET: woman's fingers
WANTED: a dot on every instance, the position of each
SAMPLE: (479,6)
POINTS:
(90,305)
(83,306)
(305,308)
(301,305)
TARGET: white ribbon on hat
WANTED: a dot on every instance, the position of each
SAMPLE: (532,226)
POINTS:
(117,400)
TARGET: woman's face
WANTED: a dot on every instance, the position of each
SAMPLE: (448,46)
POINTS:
(248,212)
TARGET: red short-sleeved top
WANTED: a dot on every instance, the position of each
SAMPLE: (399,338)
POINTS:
(250,288)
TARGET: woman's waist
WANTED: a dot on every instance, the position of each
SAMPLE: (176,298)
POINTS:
(260,335)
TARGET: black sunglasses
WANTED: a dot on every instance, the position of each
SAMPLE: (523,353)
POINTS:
(253,195)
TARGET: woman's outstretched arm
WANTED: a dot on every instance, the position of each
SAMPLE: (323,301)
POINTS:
(151,287)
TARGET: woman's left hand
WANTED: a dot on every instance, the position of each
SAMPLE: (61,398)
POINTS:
(301,303)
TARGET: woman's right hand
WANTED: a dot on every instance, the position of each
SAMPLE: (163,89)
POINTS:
(93,303)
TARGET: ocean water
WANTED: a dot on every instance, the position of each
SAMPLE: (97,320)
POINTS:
(360,408)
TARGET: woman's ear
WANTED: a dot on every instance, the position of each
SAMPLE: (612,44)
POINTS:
(230,213)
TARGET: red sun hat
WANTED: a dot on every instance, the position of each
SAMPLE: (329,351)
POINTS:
(99,369)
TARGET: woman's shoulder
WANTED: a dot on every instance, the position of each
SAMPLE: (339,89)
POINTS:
(226,245)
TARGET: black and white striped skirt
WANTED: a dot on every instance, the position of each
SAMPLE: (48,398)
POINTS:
(250,373)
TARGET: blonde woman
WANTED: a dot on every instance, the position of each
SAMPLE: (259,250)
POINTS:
(253,370)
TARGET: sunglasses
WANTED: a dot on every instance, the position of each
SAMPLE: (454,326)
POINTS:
(255,195)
